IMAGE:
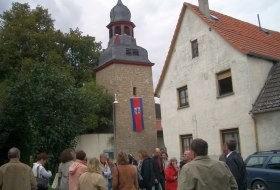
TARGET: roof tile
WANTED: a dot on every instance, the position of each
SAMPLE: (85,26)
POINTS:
(244,36)
(269,97)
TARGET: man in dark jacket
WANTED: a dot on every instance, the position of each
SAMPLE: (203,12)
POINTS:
(159,170)
(146,167)
(235,164)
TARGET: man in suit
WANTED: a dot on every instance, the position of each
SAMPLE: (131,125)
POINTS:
(235,164)
(15,175)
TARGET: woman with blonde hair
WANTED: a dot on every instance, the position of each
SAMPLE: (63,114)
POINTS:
(124,174)
(92,179)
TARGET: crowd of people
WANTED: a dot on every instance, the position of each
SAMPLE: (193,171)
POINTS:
(156,172)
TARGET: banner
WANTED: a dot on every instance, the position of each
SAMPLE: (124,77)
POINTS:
(137,114)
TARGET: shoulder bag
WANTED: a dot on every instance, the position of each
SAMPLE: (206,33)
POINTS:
(41,181)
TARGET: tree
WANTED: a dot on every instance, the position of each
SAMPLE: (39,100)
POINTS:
(50,95)
(44,111)
(24,33)
(82,54)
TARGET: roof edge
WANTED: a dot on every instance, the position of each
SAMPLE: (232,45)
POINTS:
(264,111)
(116,61)
(250,53)
(171,48)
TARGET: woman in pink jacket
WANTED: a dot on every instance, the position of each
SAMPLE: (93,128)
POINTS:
(77,169)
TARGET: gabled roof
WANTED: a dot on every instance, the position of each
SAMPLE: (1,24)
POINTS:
(269,97)
(245,37)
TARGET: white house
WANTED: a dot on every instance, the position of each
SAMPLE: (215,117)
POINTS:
(215,69)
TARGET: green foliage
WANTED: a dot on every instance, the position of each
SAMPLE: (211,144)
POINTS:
(102,104)
(82,54)
(48,94)
(24,34)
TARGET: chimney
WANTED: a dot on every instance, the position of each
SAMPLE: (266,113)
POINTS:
(204,8)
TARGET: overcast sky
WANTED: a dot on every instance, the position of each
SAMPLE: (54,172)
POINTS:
(155,20)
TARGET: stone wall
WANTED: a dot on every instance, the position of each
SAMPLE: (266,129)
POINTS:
(120,79)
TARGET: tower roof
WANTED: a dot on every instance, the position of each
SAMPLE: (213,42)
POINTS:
(120,12)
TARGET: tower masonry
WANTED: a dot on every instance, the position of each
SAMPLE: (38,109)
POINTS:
(125,71)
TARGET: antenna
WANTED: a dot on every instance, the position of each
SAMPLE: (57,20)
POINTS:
(260,27)
(259,22)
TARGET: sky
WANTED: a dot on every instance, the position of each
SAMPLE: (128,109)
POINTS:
(155,20)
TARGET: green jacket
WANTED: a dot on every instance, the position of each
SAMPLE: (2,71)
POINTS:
(16,176)
(204,173)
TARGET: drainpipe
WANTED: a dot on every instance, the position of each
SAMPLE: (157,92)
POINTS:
(256,133)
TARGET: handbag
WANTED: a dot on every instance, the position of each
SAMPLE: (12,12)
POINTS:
(56,181)
(41,181)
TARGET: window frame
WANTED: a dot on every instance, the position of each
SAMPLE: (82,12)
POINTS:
(186,98)
(194,47)
(132,52)
(222,76)
(189,138)
(224,139)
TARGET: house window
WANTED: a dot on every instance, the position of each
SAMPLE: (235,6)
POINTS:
(194,45)
(231,134)
(183,96)
(224,83)
(186,141)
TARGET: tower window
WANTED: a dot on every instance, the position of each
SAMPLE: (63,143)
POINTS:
(224,83)
(128,51)
(110,33)
(118,30)
(132,52)
(127,30)
(134,91)
(135,52)
(194,45)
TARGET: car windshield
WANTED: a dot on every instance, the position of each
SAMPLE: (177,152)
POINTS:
(256,161)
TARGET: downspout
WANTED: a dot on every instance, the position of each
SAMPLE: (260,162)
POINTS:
(256,133)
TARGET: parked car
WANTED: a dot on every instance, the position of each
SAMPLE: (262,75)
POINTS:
(263,170)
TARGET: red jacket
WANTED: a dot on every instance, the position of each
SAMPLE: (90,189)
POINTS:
(171,178)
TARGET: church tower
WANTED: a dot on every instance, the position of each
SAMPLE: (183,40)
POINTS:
(126,72)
